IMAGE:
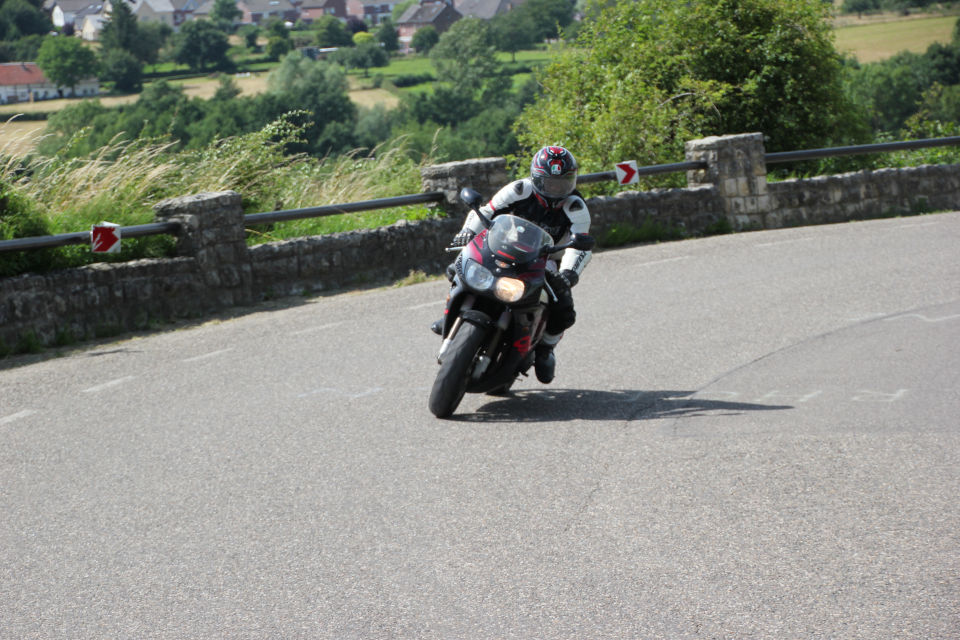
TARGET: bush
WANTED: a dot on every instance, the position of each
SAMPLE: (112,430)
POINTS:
(412,80)
(19,218)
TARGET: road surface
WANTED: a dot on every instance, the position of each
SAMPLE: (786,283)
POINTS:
(749,436)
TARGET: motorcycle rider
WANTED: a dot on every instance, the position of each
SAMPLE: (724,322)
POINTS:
(549,199)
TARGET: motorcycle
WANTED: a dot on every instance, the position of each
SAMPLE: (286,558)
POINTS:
(496,311)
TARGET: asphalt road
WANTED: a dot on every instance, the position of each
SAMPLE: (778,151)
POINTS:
(749,436)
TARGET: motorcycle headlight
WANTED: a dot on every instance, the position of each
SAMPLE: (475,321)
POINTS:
(477,276)
(509,289)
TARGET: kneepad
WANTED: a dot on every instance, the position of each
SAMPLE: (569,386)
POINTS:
(561,319)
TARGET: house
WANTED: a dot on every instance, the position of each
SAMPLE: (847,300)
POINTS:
(370,12)
(65,12)
(311,10)
(260,11)
(184,10)
(25,82)
(440,15)
(91,25)
(485,9)
(155,11)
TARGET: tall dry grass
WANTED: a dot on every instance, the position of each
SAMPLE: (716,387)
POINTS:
(121,182)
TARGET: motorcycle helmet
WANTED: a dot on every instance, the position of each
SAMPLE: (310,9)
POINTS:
(554,174)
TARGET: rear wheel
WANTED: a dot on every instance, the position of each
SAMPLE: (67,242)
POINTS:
(451,382)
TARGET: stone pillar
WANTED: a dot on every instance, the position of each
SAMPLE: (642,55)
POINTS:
(485,175)
(212,233)
(737,167)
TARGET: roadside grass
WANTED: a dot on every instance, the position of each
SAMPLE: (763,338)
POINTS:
(122,182)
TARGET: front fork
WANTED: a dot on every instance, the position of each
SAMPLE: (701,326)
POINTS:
(484,361)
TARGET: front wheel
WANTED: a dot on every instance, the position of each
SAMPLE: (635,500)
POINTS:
(451,382)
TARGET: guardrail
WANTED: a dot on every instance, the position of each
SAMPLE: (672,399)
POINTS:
(172,228)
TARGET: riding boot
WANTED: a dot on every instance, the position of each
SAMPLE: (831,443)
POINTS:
(545,362)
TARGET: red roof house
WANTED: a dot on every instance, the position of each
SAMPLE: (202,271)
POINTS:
(25,82)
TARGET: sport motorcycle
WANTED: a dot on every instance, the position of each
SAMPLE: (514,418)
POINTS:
(497,307)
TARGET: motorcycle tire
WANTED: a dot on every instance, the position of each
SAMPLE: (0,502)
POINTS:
(451,382)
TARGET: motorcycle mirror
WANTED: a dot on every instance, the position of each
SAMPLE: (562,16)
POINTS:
(474,200)
(578,241)
(583,242)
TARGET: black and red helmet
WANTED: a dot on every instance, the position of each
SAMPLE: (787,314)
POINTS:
(554,173)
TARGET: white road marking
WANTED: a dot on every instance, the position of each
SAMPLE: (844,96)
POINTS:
(866,318)
(916,224)
(779,242)
(925,318)
(435,303)
(212,354)
(17,416)
(340,392)
(868,395)
(321,327)
(665,260)
(108,385)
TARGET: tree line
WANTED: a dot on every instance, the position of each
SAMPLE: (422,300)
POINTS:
(637,80)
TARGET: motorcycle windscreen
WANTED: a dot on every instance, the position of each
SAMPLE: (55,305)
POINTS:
(515,239)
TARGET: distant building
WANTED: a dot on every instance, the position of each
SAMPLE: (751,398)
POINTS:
(485,9)
(311,10)
(370,11)
(260,11)
(155,11)
(25,82)
(66,12)
(91,26)
(438,14)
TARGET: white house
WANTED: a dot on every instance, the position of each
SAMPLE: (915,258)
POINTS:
(24,82)
(155,11)
(91,26)
(64,12)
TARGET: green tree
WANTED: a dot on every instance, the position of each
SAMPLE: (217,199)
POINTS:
(387,36)
(250,33)
(225,11)
(66,61)
(27,47)
(317,87)
(123,69)
(121,31)
(465,56)
(645,77)
(20,18)
(363,37)
(548,16)
(200,45)
(278,47)
(154,36)
(332,33)
(424,39)
(512,33)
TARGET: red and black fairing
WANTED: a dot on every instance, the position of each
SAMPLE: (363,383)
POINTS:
(514,329)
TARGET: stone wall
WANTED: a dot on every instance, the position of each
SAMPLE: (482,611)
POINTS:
(215,270)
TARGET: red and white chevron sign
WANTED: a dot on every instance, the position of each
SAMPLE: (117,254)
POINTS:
(105,238)
(627,172)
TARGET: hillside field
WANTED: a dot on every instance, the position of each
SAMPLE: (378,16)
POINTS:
(874,40)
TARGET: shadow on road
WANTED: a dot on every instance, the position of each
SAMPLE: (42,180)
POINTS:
(553,405)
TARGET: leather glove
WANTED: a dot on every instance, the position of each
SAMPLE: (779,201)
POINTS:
(462,239)
(570,277)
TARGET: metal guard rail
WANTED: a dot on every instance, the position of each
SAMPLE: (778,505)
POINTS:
(172,228)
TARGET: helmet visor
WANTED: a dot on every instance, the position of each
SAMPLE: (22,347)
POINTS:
(557,186)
